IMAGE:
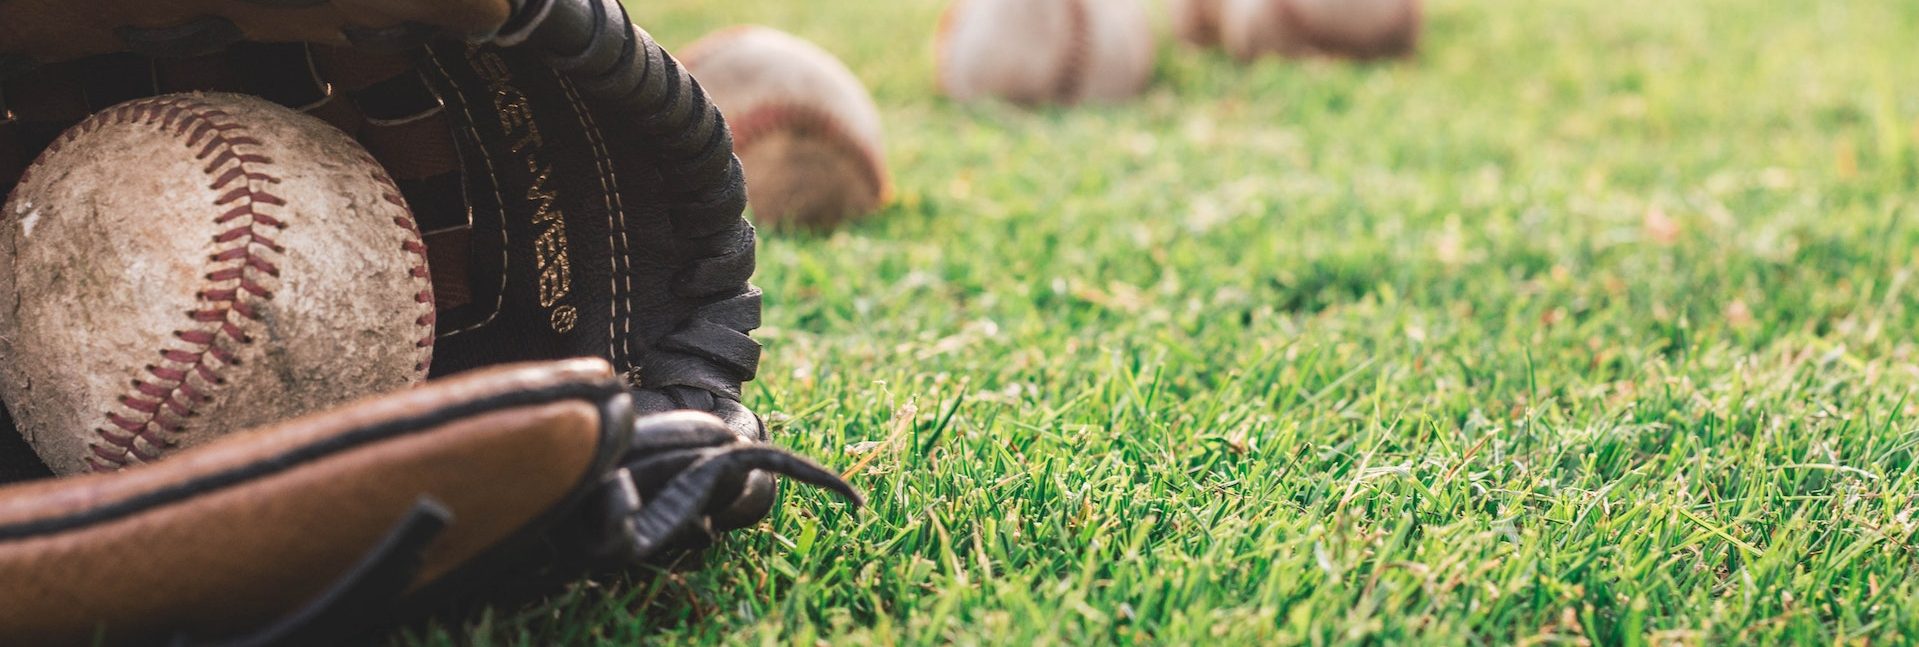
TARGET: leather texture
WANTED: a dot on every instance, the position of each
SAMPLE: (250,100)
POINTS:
(576,189)
(58,30)
(578,196)
(231,535)
(495,484)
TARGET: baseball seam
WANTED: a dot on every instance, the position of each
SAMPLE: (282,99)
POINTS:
(806,120)
(242,267)
(1075,54)
(413,245)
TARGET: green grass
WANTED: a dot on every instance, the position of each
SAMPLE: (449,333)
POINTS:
(1595,323)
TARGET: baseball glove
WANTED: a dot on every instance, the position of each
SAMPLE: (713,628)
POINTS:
(578,197)
(321,527)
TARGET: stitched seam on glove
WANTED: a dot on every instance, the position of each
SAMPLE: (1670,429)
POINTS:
(619,329)
(466,123)
(238,476)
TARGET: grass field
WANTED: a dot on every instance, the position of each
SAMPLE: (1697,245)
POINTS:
(1595,323)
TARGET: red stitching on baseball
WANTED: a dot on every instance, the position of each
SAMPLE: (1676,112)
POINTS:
(415,246)
(164,398)
(1078,50)
(811,122)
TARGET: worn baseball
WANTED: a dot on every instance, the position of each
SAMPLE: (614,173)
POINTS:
(1355,29)
(1250,29)
(1196,22)
(805,128)
(187,265)
(1036,52)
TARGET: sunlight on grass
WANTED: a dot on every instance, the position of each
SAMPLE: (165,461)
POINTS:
(1592,323)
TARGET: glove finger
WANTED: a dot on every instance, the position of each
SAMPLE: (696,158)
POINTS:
(755,501)
(685,499)
(177,547)
(678,430)
(760,491)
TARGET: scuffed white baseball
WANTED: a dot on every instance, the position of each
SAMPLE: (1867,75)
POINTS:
(806,130)
(184,266)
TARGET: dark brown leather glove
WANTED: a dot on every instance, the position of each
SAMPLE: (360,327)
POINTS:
(579,198)
(318,528)
(577,192)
